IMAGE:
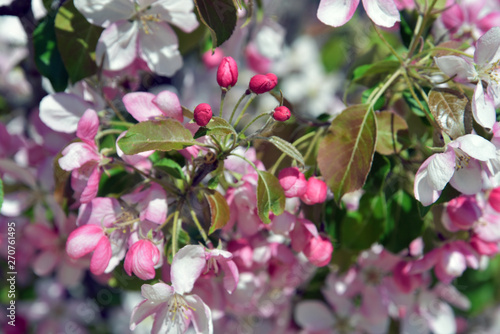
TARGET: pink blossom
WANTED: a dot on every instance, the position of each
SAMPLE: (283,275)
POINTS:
(319,251)
(293,182)
(141,259)
(461,213)
(316,191)
(145,106)
(227,73)
(263,83)
(483,247)
(281,114)
(202,114)
(449,261)
(337,13)
(83,159)
(172,306)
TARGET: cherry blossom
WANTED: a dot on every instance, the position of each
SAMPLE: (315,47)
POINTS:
(459,165)
(484,71)
(139,29)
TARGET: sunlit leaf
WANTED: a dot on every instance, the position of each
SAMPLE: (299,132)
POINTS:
(388,126)
(345,154)
(47,57)
(76,41)
(219,210)
(170,167)
(216,127)
(449,110)
(270,196)
(220,17)
(164,135)
(287,148)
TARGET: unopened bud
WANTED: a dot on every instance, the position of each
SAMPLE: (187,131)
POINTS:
(494,199)
(202,114)
(319,251)
(263,83)
(281,114)
(293,182)
(227,73)
(315,192)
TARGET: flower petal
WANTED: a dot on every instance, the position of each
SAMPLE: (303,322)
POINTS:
(177,12)
(140,105)
(231,275)
(488,47)
(104,12)
(160,50)
(483,108)
(143,310)
(83,240)
(187,266)
(157,293)
(45,262)
(117,46)
(102,255)
(441,168)
(169,104)
(382,12)
(75,155)
(336,12)
(477,147)
(313,315)
(61,111)
(201,315)
(92,185)
(88,126)
(456,66)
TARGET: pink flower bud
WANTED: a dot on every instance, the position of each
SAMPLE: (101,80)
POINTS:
(212,60)
(202,114)
(315,192)
(483,247)
(281,114)
(293,182)
(141,259)
(494,199)
(461,213)
(319,251)
(263,83)
(227,73)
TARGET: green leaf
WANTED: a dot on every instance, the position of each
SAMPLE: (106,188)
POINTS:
(76,41)
(403,222)
(47,57)
(412,103)
(270,196)
(164,135)
(220,17)
(213,182)
(360,229)
(170,167)
(219,210)
(383,67)
(216,127)
(389,126)
(379,104)
(345,154)
(287,148)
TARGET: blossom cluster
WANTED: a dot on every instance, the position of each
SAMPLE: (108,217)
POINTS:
(340,174)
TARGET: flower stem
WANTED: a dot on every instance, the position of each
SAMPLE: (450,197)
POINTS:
(222,98)
(200,228)
(175,231)
(243,111)
(236,106)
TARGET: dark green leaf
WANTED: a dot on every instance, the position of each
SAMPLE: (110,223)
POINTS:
(76,41)
(220,17)
(403,222)
(213,182)
(384,67)
(360,229)
(47,57)
(412,103)
(379,104)
(345,154)
(219,210)
(164,135)
(170,167)
(270,196)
